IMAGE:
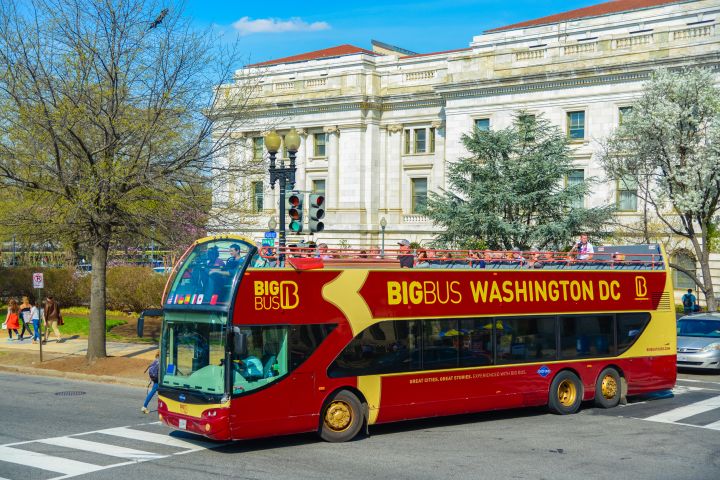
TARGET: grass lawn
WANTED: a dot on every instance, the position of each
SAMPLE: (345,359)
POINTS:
(80,325)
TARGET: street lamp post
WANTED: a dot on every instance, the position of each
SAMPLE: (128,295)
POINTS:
(383,224)
(14,261)
(282,174)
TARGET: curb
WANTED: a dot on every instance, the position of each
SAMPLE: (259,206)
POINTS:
(42,372)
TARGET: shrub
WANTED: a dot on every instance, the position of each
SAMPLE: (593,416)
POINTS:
(128,288)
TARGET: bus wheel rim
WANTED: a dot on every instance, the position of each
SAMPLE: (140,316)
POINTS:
(609,387)
(338,416)
(567,393)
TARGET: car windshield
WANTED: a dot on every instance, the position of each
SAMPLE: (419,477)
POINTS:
(699,328)
(193,351)
(206,275)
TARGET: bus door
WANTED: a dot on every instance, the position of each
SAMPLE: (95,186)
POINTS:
(263,388)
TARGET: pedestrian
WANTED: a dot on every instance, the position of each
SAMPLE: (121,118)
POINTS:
(35,318)
(12,319)
(25,318)
(689,302)
(53,318)
(153,369)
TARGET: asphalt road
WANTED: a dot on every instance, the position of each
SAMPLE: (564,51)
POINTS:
(54,428)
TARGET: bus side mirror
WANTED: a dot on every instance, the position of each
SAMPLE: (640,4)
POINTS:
(240,348)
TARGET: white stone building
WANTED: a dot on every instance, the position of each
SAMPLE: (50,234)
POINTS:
(379,127)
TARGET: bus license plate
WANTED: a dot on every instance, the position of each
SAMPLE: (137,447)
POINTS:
(182,423)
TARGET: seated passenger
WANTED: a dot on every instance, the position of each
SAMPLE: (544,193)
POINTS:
(251,367)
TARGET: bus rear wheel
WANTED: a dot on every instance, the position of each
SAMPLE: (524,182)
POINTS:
(607,388)
(342,418)
(565,393)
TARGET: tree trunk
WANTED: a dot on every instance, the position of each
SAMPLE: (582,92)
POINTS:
(96,339)
(708,289)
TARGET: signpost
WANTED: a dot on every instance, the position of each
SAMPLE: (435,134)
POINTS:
(39,284)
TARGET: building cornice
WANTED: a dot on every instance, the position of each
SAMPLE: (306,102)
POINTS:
(633,72)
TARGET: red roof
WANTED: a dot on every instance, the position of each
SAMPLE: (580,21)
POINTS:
(339,51)
(613,6)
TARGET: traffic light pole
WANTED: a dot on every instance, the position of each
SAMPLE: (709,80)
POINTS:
(286,177)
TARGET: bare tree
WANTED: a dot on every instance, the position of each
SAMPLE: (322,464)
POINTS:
(103,124)
(668,147)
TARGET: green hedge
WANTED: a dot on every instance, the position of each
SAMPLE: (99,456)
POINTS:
(128,288)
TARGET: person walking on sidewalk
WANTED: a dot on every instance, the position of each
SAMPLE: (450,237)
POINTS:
(53,318)
(25,307)
(35,318)
(153,370)
(12,319)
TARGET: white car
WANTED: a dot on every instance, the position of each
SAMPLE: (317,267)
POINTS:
(698,341)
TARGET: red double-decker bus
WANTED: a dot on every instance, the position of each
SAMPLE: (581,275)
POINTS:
(336,344)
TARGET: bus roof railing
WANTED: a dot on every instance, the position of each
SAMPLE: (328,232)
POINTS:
(632,257)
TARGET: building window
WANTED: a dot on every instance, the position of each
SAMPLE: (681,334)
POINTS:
(419,195)
(622,113)
(576,125)
(482,124)
(257,192)
(420,143)
(576,177)
(258,148)
(681,280)
(319,143)
(318,186)
(419,140)
(627,194)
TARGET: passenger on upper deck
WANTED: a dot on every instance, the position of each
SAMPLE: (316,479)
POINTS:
(583,248)
(407,259)
(220,276)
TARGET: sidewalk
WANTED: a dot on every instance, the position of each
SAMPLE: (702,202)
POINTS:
(78,346)
(125,364)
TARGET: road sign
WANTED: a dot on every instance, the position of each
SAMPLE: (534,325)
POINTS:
(271,234)
(38,280)
(268,242)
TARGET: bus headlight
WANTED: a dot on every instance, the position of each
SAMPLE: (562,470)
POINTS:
(709,348)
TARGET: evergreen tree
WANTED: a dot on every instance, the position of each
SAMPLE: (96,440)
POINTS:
(513,191)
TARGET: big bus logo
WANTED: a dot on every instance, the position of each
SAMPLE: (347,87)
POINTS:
(274,295)
(640,288)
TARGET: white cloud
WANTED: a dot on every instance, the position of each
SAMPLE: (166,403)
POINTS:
(247,26)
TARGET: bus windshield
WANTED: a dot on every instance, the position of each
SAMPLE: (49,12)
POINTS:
(193,351)
(206,275)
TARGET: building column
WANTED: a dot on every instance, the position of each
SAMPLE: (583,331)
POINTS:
(392,197)
(332,184)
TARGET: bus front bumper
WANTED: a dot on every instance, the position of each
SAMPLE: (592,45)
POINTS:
(212,421)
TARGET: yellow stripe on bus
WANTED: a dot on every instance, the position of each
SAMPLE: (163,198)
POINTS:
(190,409)
(370,387)
(344,293)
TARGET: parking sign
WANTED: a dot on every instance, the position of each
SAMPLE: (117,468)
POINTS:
(38,280)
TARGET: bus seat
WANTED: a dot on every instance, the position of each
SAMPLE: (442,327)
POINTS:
(268,362)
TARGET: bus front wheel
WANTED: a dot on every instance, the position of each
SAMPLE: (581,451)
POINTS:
(607,388)
(342,418)
(565,393)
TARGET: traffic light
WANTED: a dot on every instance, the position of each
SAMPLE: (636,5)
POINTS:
(316,212)
(295,211)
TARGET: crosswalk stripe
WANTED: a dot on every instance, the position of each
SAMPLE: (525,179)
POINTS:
(158,438)
(102,448)
(47,462)
(687,411)
(713,426)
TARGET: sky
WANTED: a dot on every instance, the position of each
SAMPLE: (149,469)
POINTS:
(281,28)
